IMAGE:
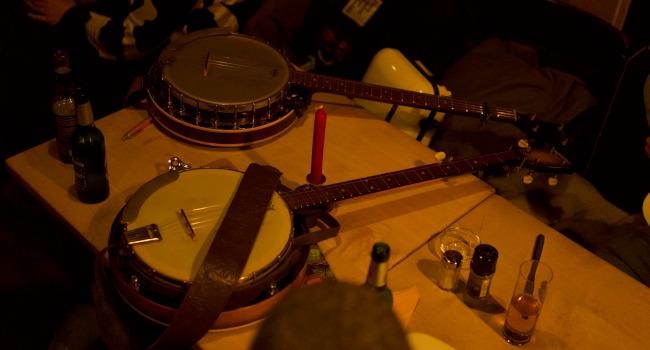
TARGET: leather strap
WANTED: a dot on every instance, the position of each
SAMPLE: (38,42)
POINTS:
(225,261)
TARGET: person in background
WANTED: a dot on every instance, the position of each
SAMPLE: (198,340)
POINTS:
(130,31)
(112,43)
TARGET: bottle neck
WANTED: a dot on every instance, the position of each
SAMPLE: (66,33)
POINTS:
(377,274)
(84,114)
(63,79)
(64,84)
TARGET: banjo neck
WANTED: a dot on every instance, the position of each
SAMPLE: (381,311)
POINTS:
(319,196)
(356,89)
(549,133)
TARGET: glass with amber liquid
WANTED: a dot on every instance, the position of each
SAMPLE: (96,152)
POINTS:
(527,299)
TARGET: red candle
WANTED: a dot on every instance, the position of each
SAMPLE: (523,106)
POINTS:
(316,176)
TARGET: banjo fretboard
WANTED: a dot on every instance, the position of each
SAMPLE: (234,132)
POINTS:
(324,195)
(351,88)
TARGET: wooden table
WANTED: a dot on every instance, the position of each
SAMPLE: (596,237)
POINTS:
(358,144)
(591,303)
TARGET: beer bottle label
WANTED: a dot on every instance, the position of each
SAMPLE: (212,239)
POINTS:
(80,174)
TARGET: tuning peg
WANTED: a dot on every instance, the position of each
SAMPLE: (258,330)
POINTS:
(523,143)
(552,181)
(528,178)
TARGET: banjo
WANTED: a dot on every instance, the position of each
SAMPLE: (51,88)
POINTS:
(230,90)
(161,236)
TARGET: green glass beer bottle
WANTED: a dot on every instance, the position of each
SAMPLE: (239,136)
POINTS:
(377,279)
(88,154)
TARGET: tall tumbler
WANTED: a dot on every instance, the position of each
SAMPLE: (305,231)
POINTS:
(527,300)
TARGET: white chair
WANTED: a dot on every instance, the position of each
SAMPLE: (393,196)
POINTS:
(389,67)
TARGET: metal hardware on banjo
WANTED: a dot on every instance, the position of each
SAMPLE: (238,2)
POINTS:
(154,276)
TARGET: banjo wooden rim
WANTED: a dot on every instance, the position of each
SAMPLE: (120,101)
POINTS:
(219,137)
(228,319)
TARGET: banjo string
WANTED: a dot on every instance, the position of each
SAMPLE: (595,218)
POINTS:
(200,217)
(255,67)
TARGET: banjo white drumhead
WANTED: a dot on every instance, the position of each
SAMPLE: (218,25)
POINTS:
(204,195)
(226,70)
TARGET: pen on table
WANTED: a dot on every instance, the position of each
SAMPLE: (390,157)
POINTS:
(136,129)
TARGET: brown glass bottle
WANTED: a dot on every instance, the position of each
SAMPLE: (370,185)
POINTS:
(482,268)
(63,106)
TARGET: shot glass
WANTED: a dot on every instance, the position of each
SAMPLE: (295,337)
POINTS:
(461,240)
(527,300)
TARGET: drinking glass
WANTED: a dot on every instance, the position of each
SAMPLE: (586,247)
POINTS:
(527,300)
(461,240)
